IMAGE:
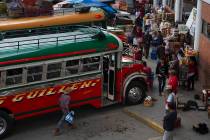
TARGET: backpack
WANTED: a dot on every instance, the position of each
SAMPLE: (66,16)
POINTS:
(190,105)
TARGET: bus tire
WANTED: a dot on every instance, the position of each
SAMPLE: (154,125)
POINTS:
(135,93)
(6,123)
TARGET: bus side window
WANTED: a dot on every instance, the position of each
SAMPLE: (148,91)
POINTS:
(54,70)
(34,73)
(14,76)
(91,64)
(72,67)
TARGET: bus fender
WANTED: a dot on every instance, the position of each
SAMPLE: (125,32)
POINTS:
(132,77)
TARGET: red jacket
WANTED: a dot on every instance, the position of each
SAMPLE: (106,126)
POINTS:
(173,81)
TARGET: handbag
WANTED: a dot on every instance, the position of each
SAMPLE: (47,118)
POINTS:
(70,117)
(177,123)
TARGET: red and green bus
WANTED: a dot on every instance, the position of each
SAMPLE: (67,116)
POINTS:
(34,69)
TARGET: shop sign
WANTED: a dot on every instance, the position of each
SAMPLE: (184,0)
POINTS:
(191,21)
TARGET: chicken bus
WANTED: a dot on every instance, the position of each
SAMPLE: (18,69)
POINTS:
(36,68)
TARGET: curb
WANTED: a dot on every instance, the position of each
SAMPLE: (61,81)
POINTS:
(147,121)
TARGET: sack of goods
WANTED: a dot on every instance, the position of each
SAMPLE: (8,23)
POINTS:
(70,117)
(201,128)
(148,101)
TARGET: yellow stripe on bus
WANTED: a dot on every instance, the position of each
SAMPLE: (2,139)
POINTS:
(36,22)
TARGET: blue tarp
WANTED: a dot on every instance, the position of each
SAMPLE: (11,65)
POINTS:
(95,3)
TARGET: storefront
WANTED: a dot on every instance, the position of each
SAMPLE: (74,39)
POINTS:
(179,8)
(170,4)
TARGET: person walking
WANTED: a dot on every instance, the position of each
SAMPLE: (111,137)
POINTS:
(155,40)
(148,71)
(139,22)
(174,64)
(147,38)
(138,36)
(160,38)
(147,22)
(191,75)
(173,80)
(169,123)
(169,98)
(161,72)
(160,51)
(64,102)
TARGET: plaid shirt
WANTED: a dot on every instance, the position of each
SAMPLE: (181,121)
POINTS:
(64,101)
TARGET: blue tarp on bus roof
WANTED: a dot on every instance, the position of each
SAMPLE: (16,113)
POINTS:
(95,3)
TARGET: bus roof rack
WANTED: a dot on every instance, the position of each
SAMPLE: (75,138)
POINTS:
(81,33)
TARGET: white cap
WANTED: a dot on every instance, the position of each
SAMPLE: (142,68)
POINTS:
(168,87)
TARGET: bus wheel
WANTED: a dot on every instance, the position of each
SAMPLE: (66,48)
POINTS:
(135,93)
(5,124)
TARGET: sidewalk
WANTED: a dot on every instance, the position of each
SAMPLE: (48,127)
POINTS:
(153,116)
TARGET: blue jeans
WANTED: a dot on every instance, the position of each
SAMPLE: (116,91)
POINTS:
(62,121)
(162,83)
(168,135)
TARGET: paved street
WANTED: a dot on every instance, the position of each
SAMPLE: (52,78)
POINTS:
(105,124)
(117,122)
(153,116)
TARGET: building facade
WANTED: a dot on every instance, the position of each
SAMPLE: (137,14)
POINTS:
(204,41)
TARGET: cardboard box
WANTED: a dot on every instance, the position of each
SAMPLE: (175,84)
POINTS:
(148,103)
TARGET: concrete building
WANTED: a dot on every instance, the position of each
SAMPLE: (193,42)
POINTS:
(180,8)
(202,40)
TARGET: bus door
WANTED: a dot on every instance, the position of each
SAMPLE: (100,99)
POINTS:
(109,76)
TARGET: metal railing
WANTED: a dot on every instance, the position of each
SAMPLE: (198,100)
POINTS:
(48,40)
(71,38)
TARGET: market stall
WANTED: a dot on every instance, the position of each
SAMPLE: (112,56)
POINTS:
(168,14)
(190,57)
